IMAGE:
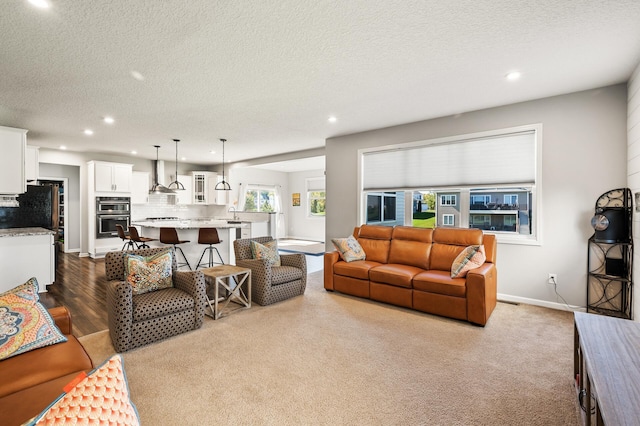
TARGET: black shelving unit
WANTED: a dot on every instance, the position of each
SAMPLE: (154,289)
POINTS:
(610,256)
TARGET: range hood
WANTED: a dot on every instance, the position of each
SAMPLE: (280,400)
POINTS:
(158,175)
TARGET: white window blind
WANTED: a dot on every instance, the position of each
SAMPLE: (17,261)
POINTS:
(316,184)
(493,160)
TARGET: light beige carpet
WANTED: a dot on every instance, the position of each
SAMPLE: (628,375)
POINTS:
(326,358)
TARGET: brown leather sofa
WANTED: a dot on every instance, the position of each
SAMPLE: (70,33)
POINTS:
(33,380)
(411,267)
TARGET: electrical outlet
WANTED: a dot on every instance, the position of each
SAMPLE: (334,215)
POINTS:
(553,278)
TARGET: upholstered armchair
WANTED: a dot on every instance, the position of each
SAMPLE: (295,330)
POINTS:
(140,319)
(270,284)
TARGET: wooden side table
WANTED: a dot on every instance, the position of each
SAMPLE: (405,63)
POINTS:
(225,276)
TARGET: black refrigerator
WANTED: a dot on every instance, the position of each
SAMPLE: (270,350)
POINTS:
(38,207)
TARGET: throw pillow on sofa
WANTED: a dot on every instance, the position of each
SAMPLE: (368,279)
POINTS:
(470,258)
(101,397)
(150,273)
(349,249)
(267,251)
(24,323)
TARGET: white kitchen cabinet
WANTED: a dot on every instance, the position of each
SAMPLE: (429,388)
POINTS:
(112,177)
(139,187)
(221,197)
(12,161)
(204,184)
(26,253)
(32,167)
(185,197)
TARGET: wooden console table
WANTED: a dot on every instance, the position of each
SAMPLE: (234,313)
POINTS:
(606,368)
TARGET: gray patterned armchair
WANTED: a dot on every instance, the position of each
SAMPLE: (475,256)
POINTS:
(270,284)
(137,320)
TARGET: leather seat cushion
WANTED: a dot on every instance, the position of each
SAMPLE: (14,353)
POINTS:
(440,282)
(358,269)
(285,274)
(161,303)
(394,274)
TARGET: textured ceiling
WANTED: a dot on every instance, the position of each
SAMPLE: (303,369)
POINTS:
(266,75)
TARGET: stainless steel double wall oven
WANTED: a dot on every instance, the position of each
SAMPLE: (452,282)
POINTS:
(112,211)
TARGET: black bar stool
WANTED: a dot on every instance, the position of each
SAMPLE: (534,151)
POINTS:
(128,242)
(170,236)
(209,236)
(142,241)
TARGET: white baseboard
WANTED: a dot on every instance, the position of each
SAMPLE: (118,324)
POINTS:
(76,250)
(83,255)
(537,302)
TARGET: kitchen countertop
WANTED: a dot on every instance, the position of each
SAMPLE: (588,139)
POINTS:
(22,232)
(187,223)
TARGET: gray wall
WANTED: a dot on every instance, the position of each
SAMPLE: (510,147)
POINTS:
(583,155)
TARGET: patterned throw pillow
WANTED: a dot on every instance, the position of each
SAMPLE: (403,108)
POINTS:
(102,397)
(267,251)
(470,258)
(24,323)
(150,273)
(349,248)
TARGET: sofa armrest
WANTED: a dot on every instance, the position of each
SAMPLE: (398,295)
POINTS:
(120,314)
(482,293)
(330,259)
(62,318)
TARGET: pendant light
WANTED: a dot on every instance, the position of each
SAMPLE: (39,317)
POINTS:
(157,187)
(175,185)
(223,185)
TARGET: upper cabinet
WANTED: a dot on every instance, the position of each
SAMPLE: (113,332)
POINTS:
(204,189)
(186,196)
(112,177)
(12,161)
(140,188)
(32,169)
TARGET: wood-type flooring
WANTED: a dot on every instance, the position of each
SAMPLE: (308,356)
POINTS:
(80,286)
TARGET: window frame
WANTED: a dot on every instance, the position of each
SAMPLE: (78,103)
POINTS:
(258,189)
(453,200)
(446,216)
(535,188)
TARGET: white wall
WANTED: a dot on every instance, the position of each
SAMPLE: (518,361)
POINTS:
(301,224)
(633,175)
(584,155)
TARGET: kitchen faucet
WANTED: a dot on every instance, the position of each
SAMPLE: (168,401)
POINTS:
(233,209)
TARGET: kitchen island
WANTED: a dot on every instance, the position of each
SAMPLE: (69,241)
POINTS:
(228,231)
(27,253)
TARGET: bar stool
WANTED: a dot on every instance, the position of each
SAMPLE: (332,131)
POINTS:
(128,242)
(209,236)
(170,236)
(142,241)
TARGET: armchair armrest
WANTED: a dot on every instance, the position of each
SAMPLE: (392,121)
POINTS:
(62,318)
(297,260)
(330,259)
(482,293)
(193,283)
(120,314)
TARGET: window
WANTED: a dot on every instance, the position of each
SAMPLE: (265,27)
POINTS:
(511,199)
(448,200)
(259,199)
(316,196)
(494,173)
(381,207)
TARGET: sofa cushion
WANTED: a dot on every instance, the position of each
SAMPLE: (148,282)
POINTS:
(394,274)
(457,236)
(358,269)
(470,258)
(440,282)
(285,274)
(25,324)
(149,273)
(161,303)
(101,397)
(375,241)
(349,249)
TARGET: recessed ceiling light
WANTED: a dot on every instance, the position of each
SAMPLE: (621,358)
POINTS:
(332,119)
(63,147)
(42,4)
(137,75)
(183,158)
(88,132)
(109,120)
(134,152)
(514,75)
(212,152)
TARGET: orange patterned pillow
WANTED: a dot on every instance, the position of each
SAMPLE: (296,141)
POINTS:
(470,258)
(102,397)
